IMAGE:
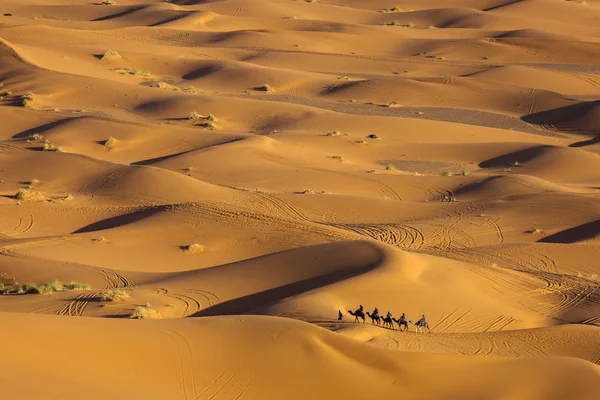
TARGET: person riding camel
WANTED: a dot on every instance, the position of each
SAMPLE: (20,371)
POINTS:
(340,315)
(375,312)
(403,318)
(360,309)
(389,315)
(422,321)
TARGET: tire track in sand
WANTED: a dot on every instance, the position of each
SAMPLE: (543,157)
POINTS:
(192,305)
(186,364)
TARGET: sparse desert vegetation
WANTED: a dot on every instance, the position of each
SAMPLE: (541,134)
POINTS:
(114,294)
(27,99)
(192,248)
(146,312)
(110,142)
(168,86)
(42,288)
(110,55)
(51,147)
(265,88)
(29,195)
(133,71)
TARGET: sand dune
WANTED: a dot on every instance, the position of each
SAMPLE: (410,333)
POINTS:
(242,170)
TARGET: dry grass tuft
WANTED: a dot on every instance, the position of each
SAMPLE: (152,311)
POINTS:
(43,288)
(208,125)
(146,312)
(110,55)
(77,286)
(27,99)
(265,88)
(50,147)
(110,142)
(108,2)
(168,86)
(29,195)
(114,295)
(192,248)
(131,71)
(533,231)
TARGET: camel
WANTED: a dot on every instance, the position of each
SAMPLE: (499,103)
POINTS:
(387,321)
(374,318)
(358,314)
(418,325)
(401,323)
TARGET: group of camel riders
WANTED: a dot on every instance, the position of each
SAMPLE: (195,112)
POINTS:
(387,320)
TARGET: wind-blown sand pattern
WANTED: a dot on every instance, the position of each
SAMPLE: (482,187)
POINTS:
(240,170)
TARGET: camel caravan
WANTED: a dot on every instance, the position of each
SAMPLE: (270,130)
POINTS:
(388,321)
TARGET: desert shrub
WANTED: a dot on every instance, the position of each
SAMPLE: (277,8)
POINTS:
(110,54)
(77,286)
(131,71)
(265,88)
(208,125)
(108,2)
(146,312)
(446,173)
(114,294)
(194,116)
(334,133)
(27,194)
(27,288)
(111,141)
(192,248)
(26,99)
(50,147)
(390,167)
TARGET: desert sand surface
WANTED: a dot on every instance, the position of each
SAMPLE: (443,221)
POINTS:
(190,190)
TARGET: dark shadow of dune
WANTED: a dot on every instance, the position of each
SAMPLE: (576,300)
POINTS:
(520,156)
(582,117)
(200,72)
(170,19)
(190,2)
(119,14)
(576,234)
(503,4)
(341,87)
(155,160)
(336,270)
(262,299)
(42,128)
(121,220)
(584,143)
